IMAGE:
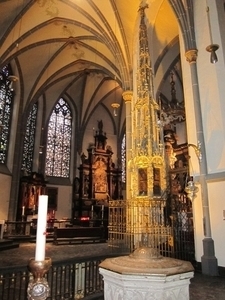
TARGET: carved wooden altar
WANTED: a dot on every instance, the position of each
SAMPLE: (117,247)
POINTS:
(31,186)
(99,180)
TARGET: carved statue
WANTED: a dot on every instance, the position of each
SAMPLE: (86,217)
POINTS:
(100,126)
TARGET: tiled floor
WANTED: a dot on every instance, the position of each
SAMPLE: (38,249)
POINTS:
(207,287)
(202,287)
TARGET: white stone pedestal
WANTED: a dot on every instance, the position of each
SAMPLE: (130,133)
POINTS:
(140,277)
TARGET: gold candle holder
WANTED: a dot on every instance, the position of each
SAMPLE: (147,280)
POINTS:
(38,288)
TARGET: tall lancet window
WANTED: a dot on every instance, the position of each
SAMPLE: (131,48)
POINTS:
(29,140)
(6,99)
(123,158)
(58,148)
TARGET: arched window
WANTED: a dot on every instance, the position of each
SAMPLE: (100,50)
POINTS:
(6,98)
(59,141)
(123,158)
(29,140)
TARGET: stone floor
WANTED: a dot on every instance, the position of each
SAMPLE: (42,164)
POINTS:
(202,287)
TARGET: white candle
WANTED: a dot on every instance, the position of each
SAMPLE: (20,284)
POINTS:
(41,228)
(23,210)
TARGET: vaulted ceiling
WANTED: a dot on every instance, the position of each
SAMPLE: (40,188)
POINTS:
(84,50)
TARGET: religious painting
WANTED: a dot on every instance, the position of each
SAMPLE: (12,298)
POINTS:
(100,177)
(142,182)
(156,182)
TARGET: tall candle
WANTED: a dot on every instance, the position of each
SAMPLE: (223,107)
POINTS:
(41,228)
(23,210)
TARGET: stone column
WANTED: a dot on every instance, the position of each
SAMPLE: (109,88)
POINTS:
(209,261)
(127,97)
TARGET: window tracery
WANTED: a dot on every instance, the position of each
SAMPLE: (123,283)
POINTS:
(29,140)
(59,135)
(6,99)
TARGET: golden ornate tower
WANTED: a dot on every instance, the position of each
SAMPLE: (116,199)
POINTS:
(141,215)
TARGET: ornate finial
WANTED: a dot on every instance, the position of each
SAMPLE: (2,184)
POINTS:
(142,8)
(100,126)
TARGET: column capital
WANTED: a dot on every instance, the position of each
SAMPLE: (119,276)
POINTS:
(127,96)
(191,55)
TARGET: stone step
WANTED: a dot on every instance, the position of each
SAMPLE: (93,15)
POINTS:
(8,244)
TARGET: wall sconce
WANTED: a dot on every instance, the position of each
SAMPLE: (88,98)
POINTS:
(12,79)
(197,150)
(212,48)
(115,107)
(191,190)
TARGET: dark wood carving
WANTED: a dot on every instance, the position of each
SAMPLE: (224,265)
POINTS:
(99,179)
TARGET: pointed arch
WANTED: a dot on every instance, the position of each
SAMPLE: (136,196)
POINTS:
(59,135)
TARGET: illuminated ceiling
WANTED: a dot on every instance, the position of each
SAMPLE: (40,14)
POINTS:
(83,49)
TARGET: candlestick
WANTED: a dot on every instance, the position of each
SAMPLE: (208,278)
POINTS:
(23,210)
(102,212)
(41,228)
(38,287)
(92,212)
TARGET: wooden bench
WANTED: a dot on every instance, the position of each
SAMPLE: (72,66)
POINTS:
(78,235)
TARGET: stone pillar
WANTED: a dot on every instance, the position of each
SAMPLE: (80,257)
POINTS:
(127,97)
(209,261)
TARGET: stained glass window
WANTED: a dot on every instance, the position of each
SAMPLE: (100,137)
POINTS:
(59,141)
(123,158)
(6,98)
(29,140)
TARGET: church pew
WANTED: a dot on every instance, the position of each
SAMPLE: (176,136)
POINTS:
(78,235)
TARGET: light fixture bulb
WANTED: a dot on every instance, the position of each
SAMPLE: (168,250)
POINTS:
(115,107)
(191,190)
(40,149)
(12,79)
(212,49)
(213,57)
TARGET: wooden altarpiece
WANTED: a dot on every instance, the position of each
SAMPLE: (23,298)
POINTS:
(31,186)
(99,180)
